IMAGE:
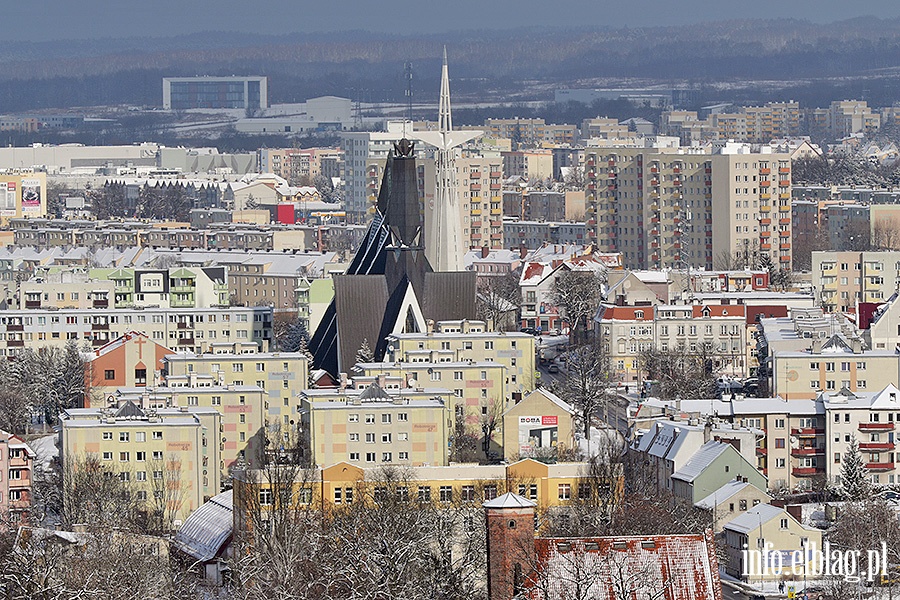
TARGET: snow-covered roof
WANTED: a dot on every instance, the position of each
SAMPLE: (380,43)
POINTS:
(755,518)
(729,490)
(509,500)
(701,459)
(208,528)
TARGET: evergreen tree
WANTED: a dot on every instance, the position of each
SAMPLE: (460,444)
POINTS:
(854,476)
(364,354)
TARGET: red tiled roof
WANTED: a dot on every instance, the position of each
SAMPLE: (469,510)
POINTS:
(674,567)
(627,313)
(719,310)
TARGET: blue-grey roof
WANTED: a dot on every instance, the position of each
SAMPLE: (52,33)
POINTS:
(208,529)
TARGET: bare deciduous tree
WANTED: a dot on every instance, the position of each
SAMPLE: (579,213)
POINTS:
(577,294)
(681,374)
(588,375)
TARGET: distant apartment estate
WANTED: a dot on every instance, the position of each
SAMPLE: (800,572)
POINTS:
(180,93)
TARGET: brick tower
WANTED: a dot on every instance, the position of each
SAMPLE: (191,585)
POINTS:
(510,544)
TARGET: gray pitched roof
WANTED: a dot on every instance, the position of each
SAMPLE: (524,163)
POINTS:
(698,463)
(754,518)
(729,490)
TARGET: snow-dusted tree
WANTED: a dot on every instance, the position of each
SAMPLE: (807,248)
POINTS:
(364,354)
(577,294)
(588,375)
(854,475)
(290,335)
(680,373)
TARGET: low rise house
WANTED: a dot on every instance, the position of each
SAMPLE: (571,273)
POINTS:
(733,498)
(771,529)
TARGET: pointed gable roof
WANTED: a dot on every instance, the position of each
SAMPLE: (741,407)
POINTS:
(129,409)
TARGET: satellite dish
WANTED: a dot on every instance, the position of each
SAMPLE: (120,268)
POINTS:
(390,348)
(794,441)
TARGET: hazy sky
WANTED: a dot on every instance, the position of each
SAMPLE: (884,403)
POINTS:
(40,20)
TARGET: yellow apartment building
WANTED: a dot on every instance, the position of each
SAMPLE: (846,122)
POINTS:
(375,426)
(282,375)
(479,388)
(168,455)
(464,341)
(245,415)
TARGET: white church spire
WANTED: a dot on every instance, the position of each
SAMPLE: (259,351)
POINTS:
(444,242)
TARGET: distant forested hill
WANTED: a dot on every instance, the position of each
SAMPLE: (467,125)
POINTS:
(370,66)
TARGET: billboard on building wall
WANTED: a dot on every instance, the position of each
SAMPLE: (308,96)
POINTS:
(31,195)
(538,432)
(8,198)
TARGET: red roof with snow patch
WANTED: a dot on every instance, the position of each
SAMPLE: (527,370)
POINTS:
(674,567)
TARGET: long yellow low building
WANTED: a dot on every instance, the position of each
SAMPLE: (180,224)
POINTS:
(342,484)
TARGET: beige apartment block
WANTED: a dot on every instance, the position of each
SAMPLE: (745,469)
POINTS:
(479,388)
(282,376)
(185,329)
(168,456)
(375,426)
(841,279)
(247,418)
(528,164)
(464,341)
(871,419)
(672,207)
(479,180)
(530,133)
(846,117)
(837,365)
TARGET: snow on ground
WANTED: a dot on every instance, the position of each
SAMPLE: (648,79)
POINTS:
(46,450)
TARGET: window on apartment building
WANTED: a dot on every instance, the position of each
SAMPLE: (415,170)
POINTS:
(386,418)
(837,458)
(370,418)
(157,455)
(353,418)
(445,493)
(354,456)
(370,457)
(107,435)
(779,463)
(565,491)
(123,456)
(109,374)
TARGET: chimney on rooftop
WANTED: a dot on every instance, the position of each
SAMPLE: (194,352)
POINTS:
(485,251)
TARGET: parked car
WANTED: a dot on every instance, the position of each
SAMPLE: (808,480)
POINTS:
(553,369)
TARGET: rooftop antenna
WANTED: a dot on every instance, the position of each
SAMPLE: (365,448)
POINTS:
(407,73)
